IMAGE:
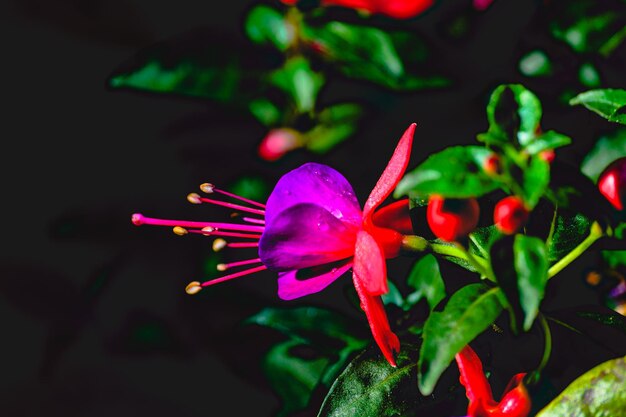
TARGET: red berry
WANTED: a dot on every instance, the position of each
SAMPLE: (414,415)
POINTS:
(612,183)
(510,214)
(548,155)
(452,218)
(493,165)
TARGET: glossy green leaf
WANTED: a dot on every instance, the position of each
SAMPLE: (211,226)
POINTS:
(292,377)
(454,172)
(513,113)
(265,25)
(536,180)
(570,229)
(606,150)
(370,387)
(548,140)
(335,124)
(531,265)
(468,313)
(365,52)
(597,393)
(425,278)
(608,103)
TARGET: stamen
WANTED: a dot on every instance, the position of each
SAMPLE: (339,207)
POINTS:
(196,199)
(253,220)
(211,231)
(243,245)
(210,188)
(139,219)
(193,288)
(224,267)
(233,276)
(219,244)
(180,231)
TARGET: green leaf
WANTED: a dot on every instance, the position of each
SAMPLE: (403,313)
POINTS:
(606,150)
(513,112)
(535,64)
(588,76)
(614,258)
(393,296)
(548,140)
(319,328)
(468,313)
(597,393)
(307,324)
(454,172)
(536,180)
(265,25)
(588,33)
(196,65)
(531,265)
(335,124)
(365,52)
(370,387)
(608,103)
(570,229)
(298,80)
(293,378)
(425,278)
(265,111)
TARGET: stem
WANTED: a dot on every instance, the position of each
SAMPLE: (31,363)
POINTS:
(547,350)
(418,244)
(478,245)
(594,234)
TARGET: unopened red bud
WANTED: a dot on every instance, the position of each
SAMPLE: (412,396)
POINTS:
(612,183)
(510,214)
(278,142)
(493,165)
(548,155)
(451,219)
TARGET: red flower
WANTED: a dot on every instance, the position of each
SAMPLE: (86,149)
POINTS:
(398,9)
(514,403)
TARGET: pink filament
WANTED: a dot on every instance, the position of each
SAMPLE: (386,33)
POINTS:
(243,245)
(253,220)
(139,219)
(220,233)
(226,193)
(233,276)
(242,263)
(232,206)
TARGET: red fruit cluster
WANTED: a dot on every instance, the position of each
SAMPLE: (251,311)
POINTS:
(612,183)
(398,9)
(451,219)
(510,214)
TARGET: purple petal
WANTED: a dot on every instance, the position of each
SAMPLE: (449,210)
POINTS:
(317,184)
(290,287)
(303,236)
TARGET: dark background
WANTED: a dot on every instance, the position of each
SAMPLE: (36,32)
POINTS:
(93,315)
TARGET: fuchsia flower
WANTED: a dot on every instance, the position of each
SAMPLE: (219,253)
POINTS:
(313,225)
(398,9)
(515,401)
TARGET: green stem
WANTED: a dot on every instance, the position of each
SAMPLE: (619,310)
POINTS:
(534,376)
(594,234)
